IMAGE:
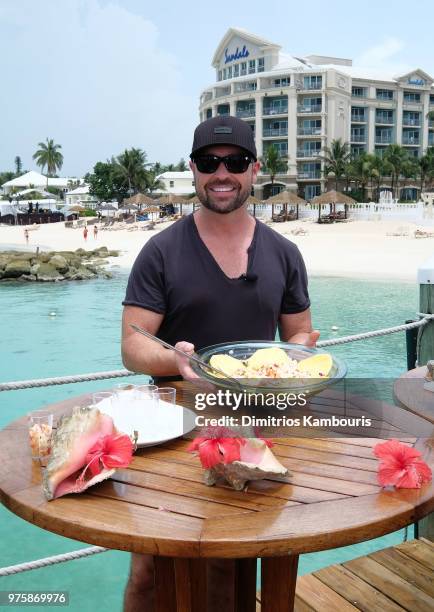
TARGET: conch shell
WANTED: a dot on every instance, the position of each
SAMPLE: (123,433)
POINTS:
(236,459)
(81,446)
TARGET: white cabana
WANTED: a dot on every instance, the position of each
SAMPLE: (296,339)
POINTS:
(34,180)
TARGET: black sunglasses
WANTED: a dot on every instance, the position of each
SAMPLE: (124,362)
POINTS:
(237,163)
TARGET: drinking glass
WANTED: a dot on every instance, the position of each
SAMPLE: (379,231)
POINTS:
(40,434)
(165,394)
(102,397)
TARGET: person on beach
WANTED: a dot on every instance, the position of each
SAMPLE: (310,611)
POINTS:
(26,235)
(95,231)
(218,275)
(85,232)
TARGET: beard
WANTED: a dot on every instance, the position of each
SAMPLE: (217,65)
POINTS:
(211,202)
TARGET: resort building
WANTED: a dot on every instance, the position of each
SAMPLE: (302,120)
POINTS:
(35,180)
(301,104)
(178,183)
(80,195)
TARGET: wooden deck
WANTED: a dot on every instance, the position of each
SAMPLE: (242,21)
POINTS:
(391,580)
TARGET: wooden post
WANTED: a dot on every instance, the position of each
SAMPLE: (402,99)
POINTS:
(425,277)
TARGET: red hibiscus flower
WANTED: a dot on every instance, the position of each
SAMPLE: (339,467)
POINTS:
(401,466)
(113,451)
(218,445)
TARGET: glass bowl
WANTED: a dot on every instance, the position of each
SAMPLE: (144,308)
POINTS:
(244,350)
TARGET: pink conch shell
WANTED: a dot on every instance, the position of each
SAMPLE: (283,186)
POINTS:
(256,462)
(76,435)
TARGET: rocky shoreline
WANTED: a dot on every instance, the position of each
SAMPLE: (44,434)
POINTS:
(54,266)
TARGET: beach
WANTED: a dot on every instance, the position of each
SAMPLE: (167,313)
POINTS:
(357,249)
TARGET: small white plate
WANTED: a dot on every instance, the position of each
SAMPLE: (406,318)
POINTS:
(154,426)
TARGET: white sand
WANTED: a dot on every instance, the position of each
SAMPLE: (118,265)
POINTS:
(358,249)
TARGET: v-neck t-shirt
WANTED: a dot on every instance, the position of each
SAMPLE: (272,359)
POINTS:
(177,276)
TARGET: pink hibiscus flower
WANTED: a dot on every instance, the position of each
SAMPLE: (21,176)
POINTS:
(112,451)
(401,466)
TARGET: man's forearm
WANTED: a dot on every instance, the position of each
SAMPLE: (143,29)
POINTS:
(147,357)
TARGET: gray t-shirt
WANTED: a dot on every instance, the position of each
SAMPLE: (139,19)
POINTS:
(176,275)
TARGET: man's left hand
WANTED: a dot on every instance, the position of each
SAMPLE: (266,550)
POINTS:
(307,338)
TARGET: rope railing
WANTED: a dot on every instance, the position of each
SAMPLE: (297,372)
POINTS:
(65,380)
(38,563)
(61,380)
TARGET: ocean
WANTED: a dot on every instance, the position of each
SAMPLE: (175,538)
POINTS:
(74,328)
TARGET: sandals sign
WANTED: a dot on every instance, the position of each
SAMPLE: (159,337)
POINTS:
(231,57)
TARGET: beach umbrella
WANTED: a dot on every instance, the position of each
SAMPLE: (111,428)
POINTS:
(170,198)
(193,200)
(252,201)
(77,208)
(139,199)
(128,207)
(286,197)
(332,198)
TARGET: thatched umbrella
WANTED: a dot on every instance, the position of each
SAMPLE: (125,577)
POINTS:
(151,210)
(172,198)
(139,199)
(286,197)
(332,198)
(193,200)
(253,201)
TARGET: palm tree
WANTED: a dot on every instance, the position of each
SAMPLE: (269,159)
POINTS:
(426,167)
(362,168)
(131,166)
(181,166)
(335,158)
(395,157)
(274,163)
(18,165)
(48,156)
(379,169)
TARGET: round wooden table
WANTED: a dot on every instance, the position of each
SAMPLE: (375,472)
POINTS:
(160,506)
(409,393)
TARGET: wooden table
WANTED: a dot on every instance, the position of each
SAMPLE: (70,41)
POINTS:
(159,505)
(409,393)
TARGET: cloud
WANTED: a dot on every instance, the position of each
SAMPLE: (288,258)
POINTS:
(384,57)
(95,78)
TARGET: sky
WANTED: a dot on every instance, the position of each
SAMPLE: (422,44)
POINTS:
(100,76)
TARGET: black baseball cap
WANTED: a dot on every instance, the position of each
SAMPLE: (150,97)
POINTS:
(224,130)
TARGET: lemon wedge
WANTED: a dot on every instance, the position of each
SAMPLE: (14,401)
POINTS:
(227,364)
(268,357)
(317,366)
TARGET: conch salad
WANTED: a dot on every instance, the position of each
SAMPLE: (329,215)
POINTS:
(273,363)
(40,440)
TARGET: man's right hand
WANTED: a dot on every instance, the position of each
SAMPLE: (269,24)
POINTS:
(183,363)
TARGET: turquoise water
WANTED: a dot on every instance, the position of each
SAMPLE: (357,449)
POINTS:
(74,328)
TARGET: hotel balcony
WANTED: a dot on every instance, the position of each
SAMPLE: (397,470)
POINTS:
(311,87)
(411,122)
(383,140)
(308,176)
(243,113)
(267,132)
(313,108)
(358,138)
(303,153)
(384,120)
(278,110)
(359,118)
(410,142)
(309,131)
(222,91)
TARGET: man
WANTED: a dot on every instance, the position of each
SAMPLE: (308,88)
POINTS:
(216,276)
